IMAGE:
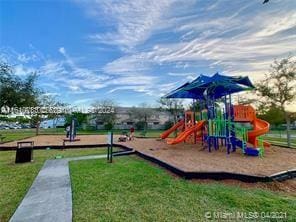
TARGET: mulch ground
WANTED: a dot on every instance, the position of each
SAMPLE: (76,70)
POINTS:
(191,157)
(57,140)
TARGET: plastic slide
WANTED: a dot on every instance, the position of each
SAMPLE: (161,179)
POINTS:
(166,133)
(260,127)
(244,113)
(183,136)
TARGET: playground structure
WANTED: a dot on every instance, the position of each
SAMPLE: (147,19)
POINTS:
(192,131)
(71,136)
(215,125)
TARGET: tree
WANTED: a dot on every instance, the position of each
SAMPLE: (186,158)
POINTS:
(17,92)
(105,111)
(142,113)
(173,106)
(279,88)
(80,117)
(51,104)
(273,115)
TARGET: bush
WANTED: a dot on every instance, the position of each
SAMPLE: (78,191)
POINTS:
(140,125)
(168,124)
(108,126)
(90,128)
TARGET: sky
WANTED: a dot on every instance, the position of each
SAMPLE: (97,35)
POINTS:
(136,51)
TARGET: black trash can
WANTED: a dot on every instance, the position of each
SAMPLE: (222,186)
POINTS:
(24,152)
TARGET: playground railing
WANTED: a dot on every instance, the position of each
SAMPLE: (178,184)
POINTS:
(261,146)
(204,115)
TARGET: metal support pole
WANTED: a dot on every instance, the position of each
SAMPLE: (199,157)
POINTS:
(110,147)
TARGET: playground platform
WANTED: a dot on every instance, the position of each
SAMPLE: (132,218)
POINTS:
(191,160)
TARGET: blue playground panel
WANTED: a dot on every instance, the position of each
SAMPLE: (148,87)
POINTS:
(252,151)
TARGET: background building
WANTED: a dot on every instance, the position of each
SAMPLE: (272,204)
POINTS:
(125,118)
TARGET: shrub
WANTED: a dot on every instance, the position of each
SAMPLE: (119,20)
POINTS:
(168,124)
(140,125)
(108,126)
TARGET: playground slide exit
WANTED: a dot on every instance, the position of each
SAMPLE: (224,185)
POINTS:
(243,113)
(166,133)
(260,127)
(183,136)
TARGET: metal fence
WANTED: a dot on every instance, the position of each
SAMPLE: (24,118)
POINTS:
(279,137)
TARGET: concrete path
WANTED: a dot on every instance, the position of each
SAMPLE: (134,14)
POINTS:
(50,197)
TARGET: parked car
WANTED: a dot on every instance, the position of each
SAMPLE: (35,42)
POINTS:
(6,127)
(13,127)
(25,126)
(3,127)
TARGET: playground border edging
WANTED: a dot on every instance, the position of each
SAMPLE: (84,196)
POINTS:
(101,145)
(205,175)
(280,176)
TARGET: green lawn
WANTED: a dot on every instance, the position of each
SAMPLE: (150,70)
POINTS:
(279,141)
(131,189)
(16,179)
(11,135)
(282,132)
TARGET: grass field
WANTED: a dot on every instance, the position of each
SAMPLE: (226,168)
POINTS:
(11,135)
(133,190)
(279,141)
(16,179)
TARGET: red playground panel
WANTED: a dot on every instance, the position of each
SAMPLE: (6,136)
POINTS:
(244,113)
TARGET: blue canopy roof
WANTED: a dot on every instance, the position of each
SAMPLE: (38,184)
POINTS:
(183,94)
(214,87)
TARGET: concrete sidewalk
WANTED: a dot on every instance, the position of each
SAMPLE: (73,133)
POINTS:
(50,197)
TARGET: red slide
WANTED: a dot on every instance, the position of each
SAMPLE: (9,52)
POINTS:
(260,127)
(166,133)
(183,136)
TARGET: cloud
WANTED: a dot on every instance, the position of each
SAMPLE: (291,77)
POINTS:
(13,57)
(67,73)
(53,68)
(128,64)
(82,101)
(133,22)
(52,94)
(278,24)
(62,50)
(244,41)
(22,70)
(156,45)
(22,63)
(155,90)
(27,58)
(8,54)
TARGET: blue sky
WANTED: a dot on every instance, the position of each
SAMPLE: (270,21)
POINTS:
(136,51)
